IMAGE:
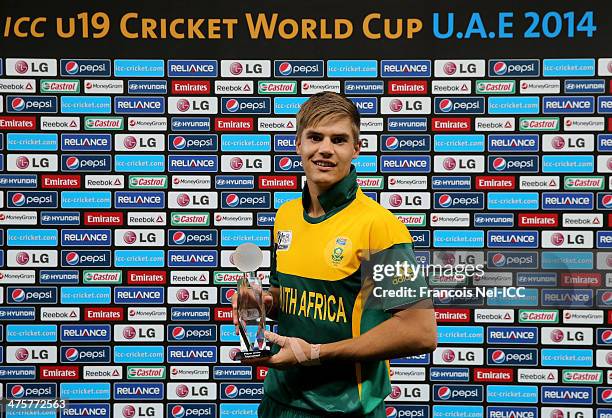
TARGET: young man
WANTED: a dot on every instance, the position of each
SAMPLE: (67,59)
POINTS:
(333,335)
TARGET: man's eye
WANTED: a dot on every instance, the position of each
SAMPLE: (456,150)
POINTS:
(339,140)
(315,137)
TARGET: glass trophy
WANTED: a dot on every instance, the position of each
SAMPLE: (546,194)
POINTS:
(251,309)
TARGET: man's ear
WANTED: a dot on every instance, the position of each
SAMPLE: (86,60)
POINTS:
(357,148)
(298,145)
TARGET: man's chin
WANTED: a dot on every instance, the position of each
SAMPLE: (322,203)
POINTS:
(324,179)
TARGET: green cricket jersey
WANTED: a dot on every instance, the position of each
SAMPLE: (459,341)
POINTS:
(322,300)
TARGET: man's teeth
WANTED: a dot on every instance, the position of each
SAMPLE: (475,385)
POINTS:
(324,164)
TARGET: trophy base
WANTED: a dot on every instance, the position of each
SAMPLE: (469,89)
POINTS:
(246,355)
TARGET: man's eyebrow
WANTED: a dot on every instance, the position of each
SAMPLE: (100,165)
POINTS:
(315,132)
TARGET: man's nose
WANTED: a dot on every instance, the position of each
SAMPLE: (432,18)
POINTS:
(326,146)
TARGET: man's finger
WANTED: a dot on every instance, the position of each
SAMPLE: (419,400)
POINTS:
(275,338)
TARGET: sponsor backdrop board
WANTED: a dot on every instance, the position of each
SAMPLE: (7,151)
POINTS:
(141,145)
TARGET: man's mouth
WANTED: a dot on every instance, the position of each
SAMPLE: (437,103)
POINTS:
(324,163)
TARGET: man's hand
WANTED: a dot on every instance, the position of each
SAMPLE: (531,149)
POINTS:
(267,300)
(293,352)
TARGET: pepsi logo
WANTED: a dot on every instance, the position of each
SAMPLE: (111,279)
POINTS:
(499,260)
(18,199)
(557,335)
(179,237)
(183,199)
(232,200)
(392,142)
(130,142)
(606,336)
(18,391)
(232,105)
(445,200)
(129,237)
(182,391)
(285,68)
(606,298)
(236,163)
(72,258)
(396,105)
(606,201)
(178,411)
(449,163)
(18,295)
(448,356)
(285,163)
(231,391)
(236,68)
(178,333)
(23,162)
(182,105)
(71,67)
(18,104)
(72,163)
(23,258)
(444,392)
(128,411)
(557,239)
(21,67)
(22,354)
(606,395)
(500,68)
(129,333)
(179,142)
(72,354)
(498,356)
(391,412)
(450,68)
(182,295)
(395,200)
(446,105)
(499,164)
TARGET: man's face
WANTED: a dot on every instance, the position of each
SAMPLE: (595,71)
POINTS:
(327,151)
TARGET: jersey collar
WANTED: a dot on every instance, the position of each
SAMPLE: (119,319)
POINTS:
(334,199)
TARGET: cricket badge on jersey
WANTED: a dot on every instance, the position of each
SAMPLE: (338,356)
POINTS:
(283,239)
(338,251)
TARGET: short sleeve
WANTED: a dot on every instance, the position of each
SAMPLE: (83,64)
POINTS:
(399,280)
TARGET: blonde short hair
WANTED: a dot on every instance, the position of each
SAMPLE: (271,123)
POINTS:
(327,105)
